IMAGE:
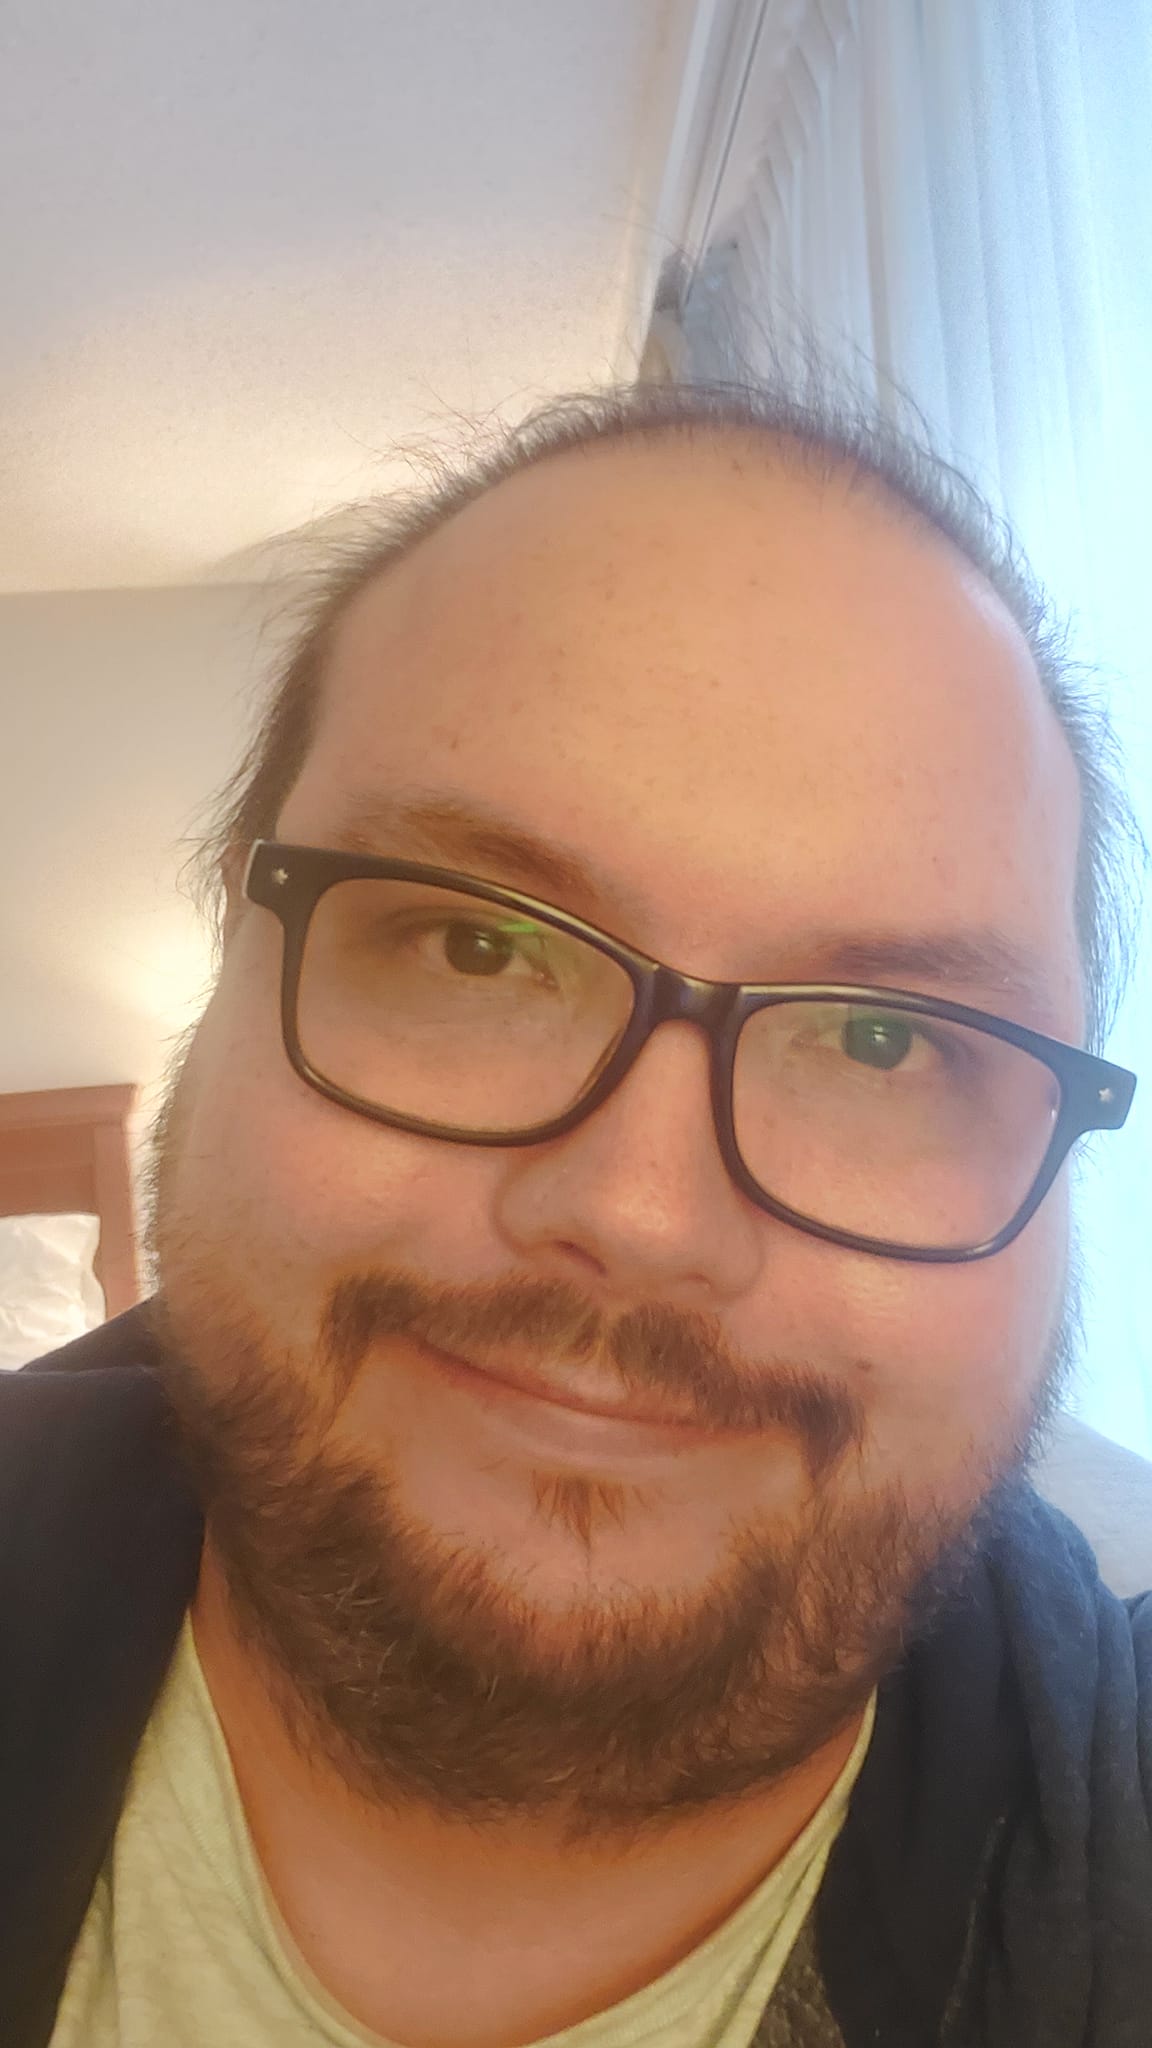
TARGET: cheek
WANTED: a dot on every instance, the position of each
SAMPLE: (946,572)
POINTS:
(300,1189)
(937,1355)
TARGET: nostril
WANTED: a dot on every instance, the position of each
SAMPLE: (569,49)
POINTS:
(582,1257)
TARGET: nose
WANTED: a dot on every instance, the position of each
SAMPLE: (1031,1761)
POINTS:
(638,1196)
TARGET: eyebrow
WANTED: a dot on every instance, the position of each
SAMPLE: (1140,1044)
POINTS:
(468,835)
(981,962)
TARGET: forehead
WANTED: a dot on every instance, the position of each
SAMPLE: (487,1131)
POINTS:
(741,692)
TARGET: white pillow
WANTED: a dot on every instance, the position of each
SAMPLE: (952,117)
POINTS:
(48,1290)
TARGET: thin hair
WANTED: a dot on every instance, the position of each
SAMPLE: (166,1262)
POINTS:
(818,430)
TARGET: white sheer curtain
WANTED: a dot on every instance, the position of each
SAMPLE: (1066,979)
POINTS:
(959,193)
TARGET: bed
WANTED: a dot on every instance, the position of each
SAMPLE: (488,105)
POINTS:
(65,1155)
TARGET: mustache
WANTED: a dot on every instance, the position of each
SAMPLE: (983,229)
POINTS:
(650,1348)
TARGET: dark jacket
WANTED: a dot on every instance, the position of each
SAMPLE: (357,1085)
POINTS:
(992,1884)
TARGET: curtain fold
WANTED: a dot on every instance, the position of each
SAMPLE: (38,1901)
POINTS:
(955,202)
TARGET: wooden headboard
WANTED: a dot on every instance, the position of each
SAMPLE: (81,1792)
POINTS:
(67,1149)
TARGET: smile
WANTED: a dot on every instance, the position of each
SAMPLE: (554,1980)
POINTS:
(559,1424)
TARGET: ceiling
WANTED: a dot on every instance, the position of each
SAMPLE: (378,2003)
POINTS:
(249,245)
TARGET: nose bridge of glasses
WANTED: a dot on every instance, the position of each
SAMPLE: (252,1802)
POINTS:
(683,998)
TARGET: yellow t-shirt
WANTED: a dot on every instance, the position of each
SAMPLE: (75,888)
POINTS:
(182,1943)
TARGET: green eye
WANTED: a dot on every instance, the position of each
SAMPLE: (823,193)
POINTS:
(484,948)
(878,1041)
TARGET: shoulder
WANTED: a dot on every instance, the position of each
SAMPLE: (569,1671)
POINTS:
(1081,1653)
(89,1454)
(1106,1491)
(126,1341)
(100,1551)
(94,1398)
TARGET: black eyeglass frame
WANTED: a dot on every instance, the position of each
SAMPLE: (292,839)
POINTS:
(289,880)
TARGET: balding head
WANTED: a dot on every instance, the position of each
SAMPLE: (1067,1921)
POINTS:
(776,684)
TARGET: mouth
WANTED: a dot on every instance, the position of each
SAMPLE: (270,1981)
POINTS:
(580,1400)
(591,1419)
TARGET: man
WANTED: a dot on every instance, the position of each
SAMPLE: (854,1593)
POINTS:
(613,1247)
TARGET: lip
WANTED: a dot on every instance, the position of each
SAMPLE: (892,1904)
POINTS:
(543,1390)
(561,1422)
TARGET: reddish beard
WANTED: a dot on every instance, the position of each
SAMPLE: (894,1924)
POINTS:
(405,1662)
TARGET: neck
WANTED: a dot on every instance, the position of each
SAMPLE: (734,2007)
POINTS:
(495,1934)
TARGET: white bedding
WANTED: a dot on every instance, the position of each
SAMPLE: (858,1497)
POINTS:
(49,1292)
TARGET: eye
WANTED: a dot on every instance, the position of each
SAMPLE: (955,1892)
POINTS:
(477,948)
(480,948)
(858,1043)
(883,1041)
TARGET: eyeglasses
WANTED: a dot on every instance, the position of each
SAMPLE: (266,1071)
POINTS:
(890,1122)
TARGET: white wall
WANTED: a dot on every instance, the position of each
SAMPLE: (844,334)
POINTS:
(261,242)
(120,712)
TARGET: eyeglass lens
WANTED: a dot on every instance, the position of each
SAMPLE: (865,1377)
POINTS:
(877,1121)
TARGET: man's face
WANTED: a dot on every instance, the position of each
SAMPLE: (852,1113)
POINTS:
(769,721)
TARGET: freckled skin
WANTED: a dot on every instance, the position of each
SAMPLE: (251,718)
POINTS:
(757,705)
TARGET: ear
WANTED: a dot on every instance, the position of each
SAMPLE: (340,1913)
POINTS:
(232,868)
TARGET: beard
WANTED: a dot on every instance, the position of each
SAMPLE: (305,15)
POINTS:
(419,1668)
